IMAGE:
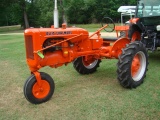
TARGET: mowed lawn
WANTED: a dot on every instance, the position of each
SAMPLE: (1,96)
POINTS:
(97,96)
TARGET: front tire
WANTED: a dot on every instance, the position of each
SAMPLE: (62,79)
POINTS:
(38,94)
(86,67)
(132,65)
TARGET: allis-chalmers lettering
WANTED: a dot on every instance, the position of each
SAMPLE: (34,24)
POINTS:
(59,33)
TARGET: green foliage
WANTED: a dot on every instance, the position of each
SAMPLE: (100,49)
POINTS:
(40,12)
(10,15)
(92,11)
(77,12)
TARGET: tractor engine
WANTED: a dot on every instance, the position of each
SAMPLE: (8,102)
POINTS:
(37,39)
(151,37)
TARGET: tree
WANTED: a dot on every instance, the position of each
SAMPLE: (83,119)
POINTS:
(38,13)
(22,4)
(6,12)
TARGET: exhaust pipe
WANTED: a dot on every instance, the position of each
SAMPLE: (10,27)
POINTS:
(56,22)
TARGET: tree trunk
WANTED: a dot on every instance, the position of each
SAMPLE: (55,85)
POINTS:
(25,19)
(22,3)
(62,3)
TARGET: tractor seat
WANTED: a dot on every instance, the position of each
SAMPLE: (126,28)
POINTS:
(110,39)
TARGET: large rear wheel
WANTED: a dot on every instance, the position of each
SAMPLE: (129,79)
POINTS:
(86,67)
(132,65)
(36,93)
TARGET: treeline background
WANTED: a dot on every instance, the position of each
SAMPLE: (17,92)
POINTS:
(36,13)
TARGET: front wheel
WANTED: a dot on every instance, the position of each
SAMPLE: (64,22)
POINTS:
(86,67)
(132,65)
(38,94)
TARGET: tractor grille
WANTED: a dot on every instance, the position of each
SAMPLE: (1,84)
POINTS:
(29,46)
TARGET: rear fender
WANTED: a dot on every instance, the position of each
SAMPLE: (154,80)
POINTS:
(117,47)
(135,23)
(134,20)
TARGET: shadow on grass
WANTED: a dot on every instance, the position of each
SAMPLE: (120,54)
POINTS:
(154,56)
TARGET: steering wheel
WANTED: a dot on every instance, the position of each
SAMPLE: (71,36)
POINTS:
(109,22)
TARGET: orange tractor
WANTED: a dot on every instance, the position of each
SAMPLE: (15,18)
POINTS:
(56,47)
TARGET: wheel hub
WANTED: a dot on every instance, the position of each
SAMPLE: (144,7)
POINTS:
(90,63)
(135,65)
(138,66)
(41,91)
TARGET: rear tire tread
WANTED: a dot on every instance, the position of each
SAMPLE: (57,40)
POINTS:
(80,68)
(124,64)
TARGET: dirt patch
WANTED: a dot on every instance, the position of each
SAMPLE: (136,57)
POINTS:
(12,34)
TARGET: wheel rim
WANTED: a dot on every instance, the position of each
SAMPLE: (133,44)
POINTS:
(138,66)
(90,63)
(136,36)
(41,91)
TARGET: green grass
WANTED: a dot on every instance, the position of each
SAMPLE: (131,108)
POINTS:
(97,96)
(18,29)
(13,29)
(90,27)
